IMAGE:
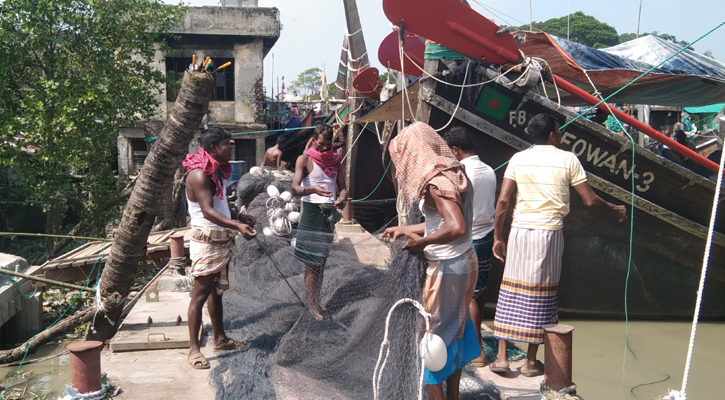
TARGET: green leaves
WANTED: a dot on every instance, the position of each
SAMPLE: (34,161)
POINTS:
(73,73)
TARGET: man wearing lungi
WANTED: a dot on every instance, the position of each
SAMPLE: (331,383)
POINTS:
(527,299)
(431,178)
(213,230)
(483,180)
(317,180)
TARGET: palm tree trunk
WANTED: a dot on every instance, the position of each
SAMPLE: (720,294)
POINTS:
(151,185)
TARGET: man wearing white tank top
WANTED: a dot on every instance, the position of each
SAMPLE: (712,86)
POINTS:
(213,229)
(318,182)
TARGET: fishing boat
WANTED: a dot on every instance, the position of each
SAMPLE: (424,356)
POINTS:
(671,204)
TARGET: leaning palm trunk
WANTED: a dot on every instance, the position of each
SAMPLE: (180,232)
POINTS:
(151,185)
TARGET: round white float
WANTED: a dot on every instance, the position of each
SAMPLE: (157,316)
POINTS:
(434,353)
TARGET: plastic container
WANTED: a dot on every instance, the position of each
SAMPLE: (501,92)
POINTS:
(237,170)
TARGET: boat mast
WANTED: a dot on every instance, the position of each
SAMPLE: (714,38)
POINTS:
(342,72)
(357,60)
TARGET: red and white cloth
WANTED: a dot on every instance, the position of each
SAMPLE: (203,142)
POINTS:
(329,161)
(211,167)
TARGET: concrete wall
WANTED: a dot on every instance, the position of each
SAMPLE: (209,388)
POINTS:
(230,21)
(248,74)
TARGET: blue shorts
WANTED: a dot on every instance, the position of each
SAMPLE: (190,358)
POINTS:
(484,251)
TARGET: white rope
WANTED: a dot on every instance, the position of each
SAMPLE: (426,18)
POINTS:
(682,394)
(465,86)
(385,348)
(72,394)
(354,33)
(401,52)
(355,141)
(460,97)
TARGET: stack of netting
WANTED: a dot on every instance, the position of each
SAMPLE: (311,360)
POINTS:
(294,356)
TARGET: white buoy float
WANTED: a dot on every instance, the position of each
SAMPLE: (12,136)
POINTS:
(255,172)
(279,225)
(289,207)
(272,191)
(293,216)
(286,196)
(266,231)
(434,352)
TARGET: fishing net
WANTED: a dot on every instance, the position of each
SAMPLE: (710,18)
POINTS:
(292,355)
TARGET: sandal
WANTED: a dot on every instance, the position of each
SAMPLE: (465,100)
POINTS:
(500,367)
(537,370)
(197,361)
(230,344)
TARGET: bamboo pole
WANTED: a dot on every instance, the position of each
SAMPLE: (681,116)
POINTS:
(46,280)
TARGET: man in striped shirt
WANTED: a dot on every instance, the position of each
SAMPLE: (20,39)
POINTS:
(542,176)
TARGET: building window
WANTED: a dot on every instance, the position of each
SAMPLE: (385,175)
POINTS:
(139,151)
(175,67)
(246,150)
(224,79)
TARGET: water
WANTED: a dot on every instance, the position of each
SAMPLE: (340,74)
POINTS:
(661,351)
(48,375)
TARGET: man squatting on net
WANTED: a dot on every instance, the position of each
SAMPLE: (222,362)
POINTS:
(541,176)
(213,229)
(323,191)
(429,176)
(483,179)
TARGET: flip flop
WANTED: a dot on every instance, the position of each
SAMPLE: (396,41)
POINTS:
(500,367)
(197,361)
(230,344)
(537,370)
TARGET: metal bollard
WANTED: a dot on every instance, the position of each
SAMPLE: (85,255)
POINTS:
(85,365)
(558,356)
(177,245)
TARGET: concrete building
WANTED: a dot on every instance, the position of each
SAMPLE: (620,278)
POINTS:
(239,32)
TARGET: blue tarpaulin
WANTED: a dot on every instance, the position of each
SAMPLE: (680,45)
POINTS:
(688,79)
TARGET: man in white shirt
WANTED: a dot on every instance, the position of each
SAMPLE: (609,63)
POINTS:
(483,180)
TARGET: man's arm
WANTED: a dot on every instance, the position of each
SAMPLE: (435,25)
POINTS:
(204,192)
(591,199)
(278,159)
(508,186)
(341,189)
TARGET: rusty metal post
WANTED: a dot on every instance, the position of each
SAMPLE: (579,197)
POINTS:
(177,245)
(85,366)
(558,356)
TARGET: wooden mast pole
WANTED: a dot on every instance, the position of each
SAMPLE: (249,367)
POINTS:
(357,60)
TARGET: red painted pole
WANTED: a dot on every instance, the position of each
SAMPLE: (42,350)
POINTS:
(646,129)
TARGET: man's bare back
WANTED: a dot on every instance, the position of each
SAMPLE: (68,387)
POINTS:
(273,157)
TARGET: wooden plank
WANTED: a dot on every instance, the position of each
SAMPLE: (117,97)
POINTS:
(390,110)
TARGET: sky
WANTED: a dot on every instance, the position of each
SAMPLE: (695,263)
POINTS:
(313,30)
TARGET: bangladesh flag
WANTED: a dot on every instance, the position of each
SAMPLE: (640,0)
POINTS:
(493,103)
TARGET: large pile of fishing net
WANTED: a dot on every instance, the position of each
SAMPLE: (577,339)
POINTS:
(250,185)
(294,356)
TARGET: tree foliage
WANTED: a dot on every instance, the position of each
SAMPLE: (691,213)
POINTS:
(308,82)
(73,73)
(583,28)
(589,31)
